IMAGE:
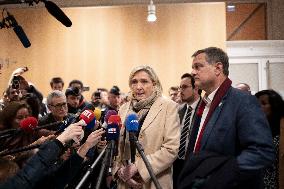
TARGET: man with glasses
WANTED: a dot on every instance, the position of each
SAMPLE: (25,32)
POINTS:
(190,97)
(56,102)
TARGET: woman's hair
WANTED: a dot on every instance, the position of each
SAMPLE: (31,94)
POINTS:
(153,76)
(277,109)
(10,111)
(8,169)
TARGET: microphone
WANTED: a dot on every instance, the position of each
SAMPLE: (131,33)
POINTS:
(112,133)
(112,136)
(108,114)
(132,126)
(18,30)
(86,117)
(30,124)
(73,119)
(27,125)
(114,119)
(22,36)
(55,11)
(97,113)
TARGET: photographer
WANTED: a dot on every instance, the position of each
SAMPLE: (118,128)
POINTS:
(19,89)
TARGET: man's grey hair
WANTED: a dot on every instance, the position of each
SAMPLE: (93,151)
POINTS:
(213,55)
(55,93)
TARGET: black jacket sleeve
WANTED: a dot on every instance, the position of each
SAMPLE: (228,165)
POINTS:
(34,170)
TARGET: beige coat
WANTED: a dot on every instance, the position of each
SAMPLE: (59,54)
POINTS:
(159,136)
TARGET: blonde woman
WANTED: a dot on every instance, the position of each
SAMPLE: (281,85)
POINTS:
(159,133)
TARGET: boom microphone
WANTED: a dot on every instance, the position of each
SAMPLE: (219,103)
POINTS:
(22,36)
(18,30)
(55,11)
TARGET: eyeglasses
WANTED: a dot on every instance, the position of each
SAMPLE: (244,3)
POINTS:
(60,105)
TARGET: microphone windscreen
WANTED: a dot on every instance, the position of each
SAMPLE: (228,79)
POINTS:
(87,116)
(131,123)
(112,132)
(97,113)
(55,11)
(108,114)
(22,36)
(91,125)
(114,119)
(89,107)
(28,124)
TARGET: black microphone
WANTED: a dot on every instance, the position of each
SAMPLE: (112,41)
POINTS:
(132,125)
(18,30)
(22,36)
(112,137)
(55,11)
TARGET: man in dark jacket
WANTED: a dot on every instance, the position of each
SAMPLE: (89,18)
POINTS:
(229,122)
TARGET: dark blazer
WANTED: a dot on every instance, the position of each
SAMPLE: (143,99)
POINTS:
(179,163)
(181,111)
(209,171)
(238,128)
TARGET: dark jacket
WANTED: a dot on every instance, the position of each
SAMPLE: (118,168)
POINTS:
(49,118)
(209,171)
(37,169)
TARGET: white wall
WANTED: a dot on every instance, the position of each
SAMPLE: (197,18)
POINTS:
(258,63)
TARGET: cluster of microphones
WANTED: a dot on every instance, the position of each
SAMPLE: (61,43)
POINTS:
(88,117)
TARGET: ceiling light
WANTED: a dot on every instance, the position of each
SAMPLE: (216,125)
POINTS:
(151,12)
(231,8)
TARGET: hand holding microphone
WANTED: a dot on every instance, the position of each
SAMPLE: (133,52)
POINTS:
(91,141)
(74,131)
(94,138)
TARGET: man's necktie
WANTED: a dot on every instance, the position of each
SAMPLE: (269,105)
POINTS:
(184,134)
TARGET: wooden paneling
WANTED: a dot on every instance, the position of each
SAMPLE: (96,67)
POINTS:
(105,43)
(247,22)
